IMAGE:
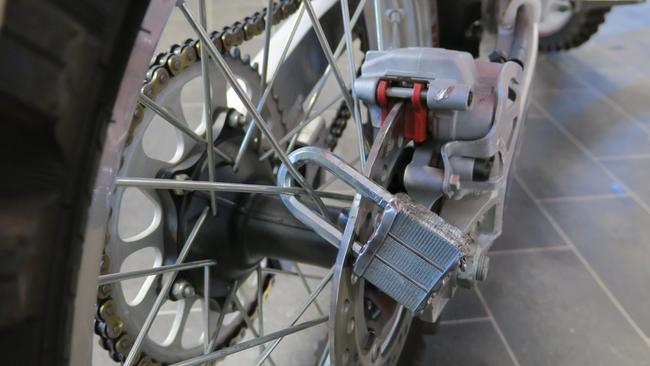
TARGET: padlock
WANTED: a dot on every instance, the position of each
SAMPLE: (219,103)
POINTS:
(411,250)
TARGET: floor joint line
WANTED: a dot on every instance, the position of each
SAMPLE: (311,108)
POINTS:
(585,263)
(554,248)
(585,198)
(478,319)
(496,326)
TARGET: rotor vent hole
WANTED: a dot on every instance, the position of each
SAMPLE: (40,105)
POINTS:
(135,290)
(139,215)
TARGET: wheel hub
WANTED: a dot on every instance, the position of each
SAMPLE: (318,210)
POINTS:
(223,234)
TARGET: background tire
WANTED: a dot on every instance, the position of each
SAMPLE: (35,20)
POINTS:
(582,25)
(61,63)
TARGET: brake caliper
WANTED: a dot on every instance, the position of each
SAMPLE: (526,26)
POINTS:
(468,107)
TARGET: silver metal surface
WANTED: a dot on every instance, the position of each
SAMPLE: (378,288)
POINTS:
(289,273)
(260,301)
(303,279)
(206,310)
(132,207)
(249,323)
(345,13)
(122,276)
(268,87)
(413,31)
(134,353)
(410,253)
(251,343)
(379,27)
(349,291)
(297,314)
(257,118)
(411,248)
(267,42)
(322,39)
(174,121)
(318,89)
(207,108)
(303,191)
(222,315)
(155,183)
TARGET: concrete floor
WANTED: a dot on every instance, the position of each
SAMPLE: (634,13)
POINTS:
(569,280)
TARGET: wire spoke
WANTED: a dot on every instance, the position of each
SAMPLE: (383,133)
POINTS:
(318,89)
(206,309)
(248,104)
(174,121)
(267,91)
(297,314)
(249,322)
(267,41)
(324,356)
(378,25)
(345,13)
(320,34)
(260,300)
(251,343)
(207,107)
(187,185)
(222,315)
(289,273)
(134,353)
(123,276)
(307,287)
(309,118)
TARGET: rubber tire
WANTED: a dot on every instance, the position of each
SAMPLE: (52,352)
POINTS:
(580,28)
(61,63)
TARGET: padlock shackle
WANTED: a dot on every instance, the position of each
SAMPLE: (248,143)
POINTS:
(327,160)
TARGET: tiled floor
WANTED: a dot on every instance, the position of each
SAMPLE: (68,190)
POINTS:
(569,279)
(569,282)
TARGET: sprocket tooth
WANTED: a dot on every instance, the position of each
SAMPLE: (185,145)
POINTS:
(235,52)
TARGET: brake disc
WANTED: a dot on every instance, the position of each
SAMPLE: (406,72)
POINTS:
(367,327)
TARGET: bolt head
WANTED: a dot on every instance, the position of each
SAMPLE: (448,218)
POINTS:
(189,291)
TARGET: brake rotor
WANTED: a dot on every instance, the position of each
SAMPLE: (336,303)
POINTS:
(366,326)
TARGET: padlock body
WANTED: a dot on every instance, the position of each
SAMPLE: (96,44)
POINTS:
(409,260)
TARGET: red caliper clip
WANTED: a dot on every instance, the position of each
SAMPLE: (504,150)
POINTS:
(382,98)
(415,126)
